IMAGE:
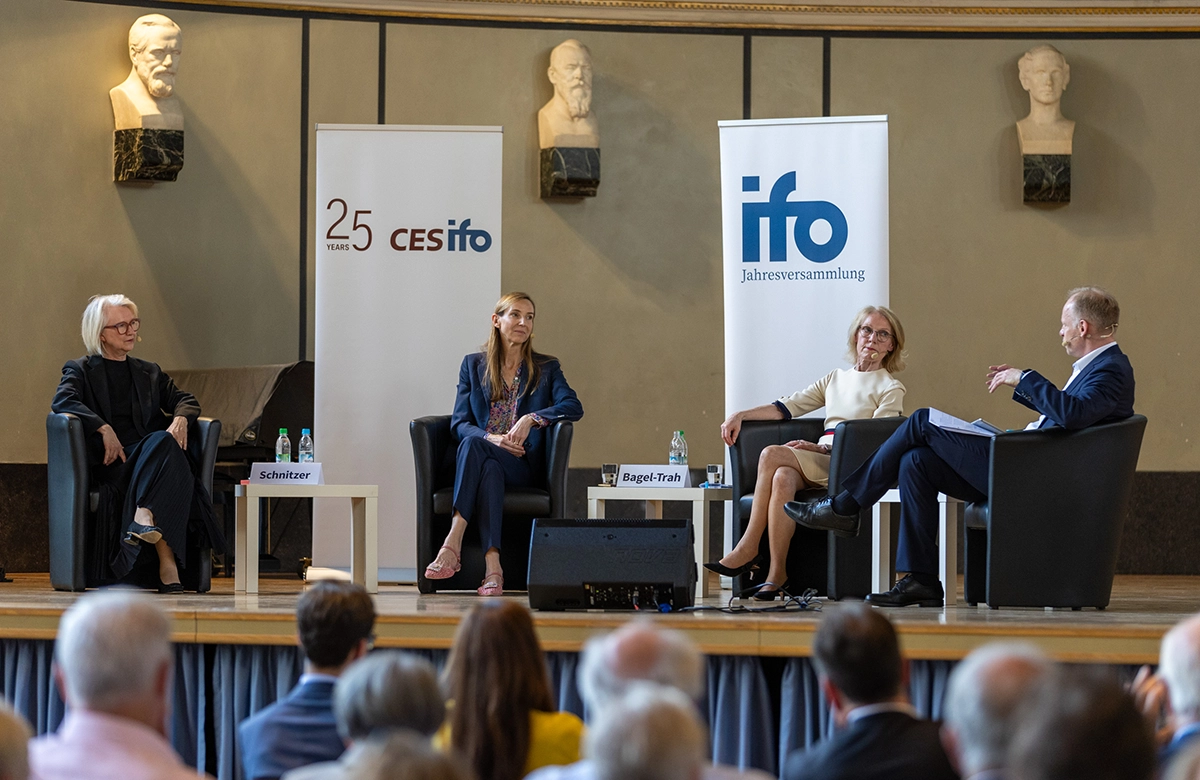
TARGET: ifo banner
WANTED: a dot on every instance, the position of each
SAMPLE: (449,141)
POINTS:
(408,270)
(804,206)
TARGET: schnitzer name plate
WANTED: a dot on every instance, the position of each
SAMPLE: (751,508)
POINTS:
(654,476)
(286,474)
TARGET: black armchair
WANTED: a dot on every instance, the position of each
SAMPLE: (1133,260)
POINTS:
(835,566)
(73,504)
(432,447)
(1048,534)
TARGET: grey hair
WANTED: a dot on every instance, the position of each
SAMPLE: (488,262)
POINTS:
(1097,306)
(403,755)
(677,663)
(1179,666)
(388,690)
(139,33)
(94,318)
(109,644)
(982,700)
(652,733)
(14,740)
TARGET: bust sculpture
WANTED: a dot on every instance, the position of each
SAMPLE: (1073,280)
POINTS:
(1045,135)
(568,132)
(148,139)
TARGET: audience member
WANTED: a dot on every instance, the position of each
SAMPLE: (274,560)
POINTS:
(634,654)
(863,676)
(14,745)
(651,733)
(1172,697)
(1185,765)
(1081,724)
(112,664)
(502,715)
(984,695)
(385,692)
(334,621)
(404,755)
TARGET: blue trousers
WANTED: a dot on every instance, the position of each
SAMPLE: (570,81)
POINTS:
(925,460)
(482,470)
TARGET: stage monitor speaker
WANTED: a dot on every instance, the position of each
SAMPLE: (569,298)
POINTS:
(611,564)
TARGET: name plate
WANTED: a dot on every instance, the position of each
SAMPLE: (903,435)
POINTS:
(286,474)
(654,476)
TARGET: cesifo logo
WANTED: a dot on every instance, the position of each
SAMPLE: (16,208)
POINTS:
(776,210)
(458,239)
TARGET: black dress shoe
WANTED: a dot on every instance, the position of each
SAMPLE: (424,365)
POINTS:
(763,591)
(907,592)
(171,587)
(819,516)
(726,571)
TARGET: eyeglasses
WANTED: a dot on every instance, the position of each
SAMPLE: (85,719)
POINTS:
(882,336)
(122,328)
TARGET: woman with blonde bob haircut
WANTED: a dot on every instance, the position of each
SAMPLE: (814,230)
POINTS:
(868,389)
(507,394)
(135,421)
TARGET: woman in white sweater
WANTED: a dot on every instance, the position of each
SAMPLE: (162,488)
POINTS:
(876,340)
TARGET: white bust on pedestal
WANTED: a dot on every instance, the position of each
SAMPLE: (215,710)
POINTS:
(1044,75)
(567,120)
(146,99)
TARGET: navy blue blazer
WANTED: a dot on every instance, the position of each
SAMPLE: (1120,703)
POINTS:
(883,746)
(295,731)
(552,400)
(1102,393)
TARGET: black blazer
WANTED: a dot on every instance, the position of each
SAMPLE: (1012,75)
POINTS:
(552,400)
(884,746)
(83,392)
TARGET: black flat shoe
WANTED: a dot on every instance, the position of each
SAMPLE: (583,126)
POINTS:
(726,571)
(150,535)
(819,516)
(907,592)
(761,592)
(171,587)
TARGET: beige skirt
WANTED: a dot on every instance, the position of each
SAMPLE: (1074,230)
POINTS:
(813,466)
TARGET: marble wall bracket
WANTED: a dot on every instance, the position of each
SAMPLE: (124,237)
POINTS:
(1047,178)
(147,155)
(570,172)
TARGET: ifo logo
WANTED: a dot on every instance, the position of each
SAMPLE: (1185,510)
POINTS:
(776,210)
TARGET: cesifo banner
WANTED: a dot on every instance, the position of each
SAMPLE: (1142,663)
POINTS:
(804,205)
(408,271)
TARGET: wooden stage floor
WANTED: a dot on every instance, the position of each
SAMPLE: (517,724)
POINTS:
(1128,632)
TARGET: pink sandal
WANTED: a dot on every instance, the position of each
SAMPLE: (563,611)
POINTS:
(493,585)
(440,570)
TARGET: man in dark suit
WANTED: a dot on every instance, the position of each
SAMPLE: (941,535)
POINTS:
(334,621)
(927,460)
(863,677)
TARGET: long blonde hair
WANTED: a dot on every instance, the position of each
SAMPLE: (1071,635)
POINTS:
(493,371)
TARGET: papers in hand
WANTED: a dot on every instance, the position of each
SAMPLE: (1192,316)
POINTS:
(949,422)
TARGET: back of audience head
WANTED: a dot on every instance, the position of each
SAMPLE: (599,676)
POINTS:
(14,740)
(1179,667)
(638,652)
(386,691)
(334,621)
(983,699)
(651,733)
(1081,723)
(496,675)
(404,755)
(113,654)
(857,655)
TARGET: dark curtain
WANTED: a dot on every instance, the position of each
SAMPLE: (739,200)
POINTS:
(758,709)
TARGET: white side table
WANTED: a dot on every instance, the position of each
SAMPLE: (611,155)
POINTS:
(364,529)
(654,496)
(949,510)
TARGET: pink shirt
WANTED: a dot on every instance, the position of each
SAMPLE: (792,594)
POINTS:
(95,746)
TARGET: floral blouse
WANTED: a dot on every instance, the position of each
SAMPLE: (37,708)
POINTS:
(503,414)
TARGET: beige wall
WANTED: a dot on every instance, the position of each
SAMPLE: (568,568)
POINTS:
(628,284)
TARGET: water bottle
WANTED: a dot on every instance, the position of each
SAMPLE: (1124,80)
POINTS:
(283,447)
(678,449)
(306,446)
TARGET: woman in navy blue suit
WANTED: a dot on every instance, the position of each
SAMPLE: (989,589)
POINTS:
(506,395)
